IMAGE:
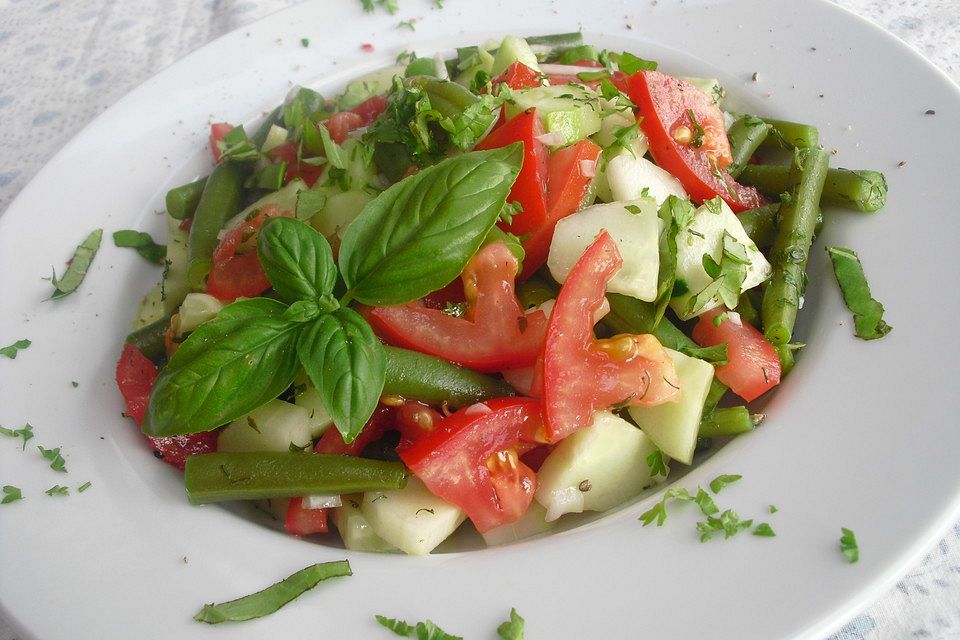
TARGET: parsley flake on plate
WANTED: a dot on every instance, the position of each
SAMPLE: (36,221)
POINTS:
(849,546)
(10,351)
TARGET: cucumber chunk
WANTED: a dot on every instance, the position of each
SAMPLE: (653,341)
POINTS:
(631,176)
(411,519)
(365,87)
(513,49)
(196,309)
(596,468)
(531,523)
(636,235)
(273,427)
(673,426)
(164,298)
(355,529)
(570,111)
(305,395)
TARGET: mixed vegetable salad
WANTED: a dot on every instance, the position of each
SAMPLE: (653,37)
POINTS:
(502,287)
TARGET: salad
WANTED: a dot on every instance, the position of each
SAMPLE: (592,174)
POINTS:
(508,286)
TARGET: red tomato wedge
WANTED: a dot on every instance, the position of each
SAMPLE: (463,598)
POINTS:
(753,367)
(342,123)
(287,152)
(303,522)
(495,334)
(582,374)
(135,376)
(217,132)
(370,109)
(688,138)
(332,442)
(518,76)
(530,188)
(567,184)
(470,460)
(236,269)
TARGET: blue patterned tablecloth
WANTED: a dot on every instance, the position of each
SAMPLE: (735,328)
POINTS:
(62,63)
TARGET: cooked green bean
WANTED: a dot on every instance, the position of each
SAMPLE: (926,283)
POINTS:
(745,135)
(149,339)
(417,376)
(760,223)
(220,202)
(182,201)
(253,475)
(791,248)
(557,40)
(785,355)
(748,312)
(791,135)
(856,189)
(728,421)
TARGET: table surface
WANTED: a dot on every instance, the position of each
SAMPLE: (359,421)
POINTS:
(63,63)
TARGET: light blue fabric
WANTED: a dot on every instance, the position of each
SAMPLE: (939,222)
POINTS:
(62,63)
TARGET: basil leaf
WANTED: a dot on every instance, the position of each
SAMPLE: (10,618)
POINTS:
(228,367)
(513,628)
(79,264)
(10,351)
(418,235)
(868,319)
(346,364)
(265,602)
(143,243)
(297,259)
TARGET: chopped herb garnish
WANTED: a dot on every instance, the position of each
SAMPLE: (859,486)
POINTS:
(422,630)
(57,463)
(656,464)
(631,64)
(262,603)
(867,312)
(705,502)
(406,24)
(773,509)
(714,205)
(370,5)
(722,481)
(57,490)
(698,134)
(143,243)
(11,494)
(657,512)
(77,268)
(10,351)
(26,433)
(764,530)
(513,628)
(849,546)
(305,42)
(728,523)
(634,209)
(86,485)
(74,384)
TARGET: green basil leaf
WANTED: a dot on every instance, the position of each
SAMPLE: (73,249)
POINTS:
(418,235)
(297,259)
(346,364)
(79,264)
(228,367)
(143,243)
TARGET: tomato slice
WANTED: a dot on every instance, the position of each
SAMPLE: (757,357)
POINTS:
(567,184)
(688,138)
(236,269)
(753,367)
(530,188)
(342,123)
(175,450)
(518,76)
(495,334)
(332,442)
(303,522)
(218,131)
(582,374)
(470,460)
(287,152)
(370,109)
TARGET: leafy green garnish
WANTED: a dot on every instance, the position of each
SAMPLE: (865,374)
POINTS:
(631,64)
(622,139)
(698,132)
(57,463)
(57,490)
(309,203)
(728,523)
(721,481)
(143,243)
(715,355)
(389,5)
(11,494)
(305,42)
(10,351)
(705,502)
(728,276)
(406,24)
(764,530)
(867,312)
(77,269)
(426,630)
(849,546)
(26,433)
(265,602)
(84,486)
(236,146)
(656,464)
(513,628)
(657,512)
(773,509)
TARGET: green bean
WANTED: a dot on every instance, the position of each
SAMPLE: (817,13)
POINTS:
(785,355)
(760,223)
(417,376)
(745,135)
(534,291)
(748,312)
(253,475)
(791,248)
(150,339)
(557,40)
(576,54)
(791,135)
(714,395)
(728,421)
(182,201)
(856,189)
(220,202)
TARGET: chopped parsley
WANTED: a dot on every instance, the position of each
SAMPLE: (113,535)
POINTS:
(11,494)
(389,5)
(10,351)
(721,481)
(698,132)
(57,490)
(513,628)
(631,64)
(849,546)
(657,512)
(305,42)
(406,24)
(57,463)
(421,631)
(764,530)
(26,433)
(728,523)
(707,506)
(656,464)
(773,509)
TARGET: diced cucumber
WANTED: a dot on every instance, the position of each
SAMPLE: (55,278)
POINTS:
(531,523)
(485,63)
(636,235)
(273,427)
(673,426)
(164,298)
(339,211)
(709,86)
(306,395)
(513,49)
(411,519)
(276,136)
(355,530)
(196,309)
(631,176)
(595,468)
(571,111)
(365,87)
(618,118)
(705,236)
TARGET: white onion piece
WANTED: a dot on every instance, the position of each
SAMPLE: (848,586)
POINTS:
(441,65)
(552,138)
(477,409)
(735,318)
(588,168)
(321,502)
(567,69)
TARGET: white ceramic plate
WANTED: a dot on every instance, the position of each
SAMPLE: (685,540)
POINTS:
(861,435)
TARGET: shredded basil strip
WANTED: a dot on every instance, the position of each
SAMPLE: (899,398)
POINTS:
(78,266)
(265,602)
(10,351)
(143,243)
(867,312)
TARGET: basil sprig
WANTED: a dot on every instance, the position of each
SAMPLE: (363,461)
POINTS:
(414,238)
